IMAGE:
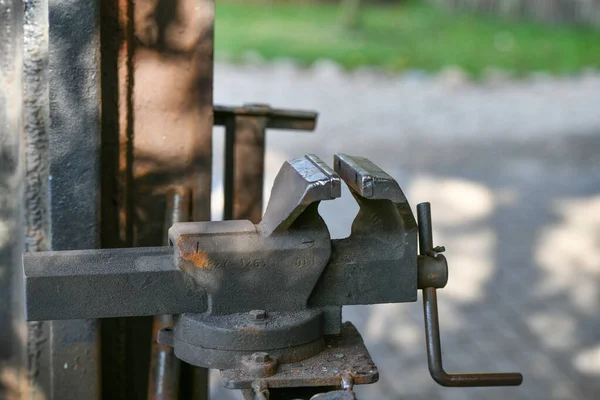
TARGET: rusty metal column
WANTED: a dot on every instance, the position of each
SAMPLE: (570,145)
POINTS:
(12,344)
(244,172)
(157,133)
(163,381)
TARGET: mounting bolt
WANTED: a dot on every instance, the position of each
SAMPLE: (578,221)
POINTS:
(261,357)
(258,315)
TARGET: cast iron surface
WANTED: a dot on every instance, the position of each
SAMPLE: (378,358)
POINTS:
(258,300)
(377,263)
(344,354)
(107,283)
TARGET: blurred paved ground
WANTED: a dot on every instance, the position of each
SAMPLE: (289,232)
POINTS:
(512,171)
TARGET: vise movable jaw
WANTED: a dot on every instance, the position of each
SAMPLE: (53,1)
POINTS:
(263,301)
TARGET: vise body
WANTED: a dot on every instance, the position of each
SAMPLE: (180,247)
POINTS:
(263,302)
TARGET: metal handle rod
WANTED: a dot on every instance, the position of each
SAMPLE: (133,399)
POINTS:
(432,326)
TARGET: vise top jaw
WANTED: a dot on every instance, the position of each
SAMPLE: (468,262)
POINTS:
(299,183)
(377,263)
(367,180)
(272,266)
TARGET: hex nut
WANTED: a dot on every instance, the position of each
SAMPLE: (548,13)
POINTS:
(260,365)
(258,315)
(261,357)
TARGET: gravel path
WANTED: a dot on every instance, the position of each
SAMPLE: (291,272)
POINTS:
(511,169)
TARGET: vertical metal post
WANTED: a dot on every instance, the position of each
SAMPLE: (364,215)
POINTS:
(12,345)
(163,381)
(244,167)
(229,167)
(63,179)
(74,181)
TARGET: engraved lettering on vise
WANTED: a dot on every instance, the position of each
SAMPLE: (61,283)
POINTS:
(304,262)
(254,264)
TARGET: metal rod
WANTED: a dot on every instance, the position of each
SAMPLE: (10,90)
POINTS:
(425,228)
(276,118)
(163,379)
(432,326)
(434,354)
(229,167)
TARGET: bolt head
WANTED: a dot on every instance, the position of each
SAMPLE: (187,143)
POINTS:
(261,357)
(258,315)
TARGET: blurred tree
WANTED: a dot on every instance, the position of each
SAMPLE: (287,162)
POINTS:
(351,14)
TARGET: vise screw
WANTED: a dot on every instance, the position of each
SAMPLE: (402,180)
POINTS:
(263,302)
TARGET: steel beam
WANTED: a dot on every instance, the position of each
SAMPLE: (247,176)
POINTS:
(74,181)
(12,345)
(107,283)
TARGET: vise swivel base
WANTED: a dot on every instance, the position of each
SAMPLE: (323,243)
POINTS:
(263,303)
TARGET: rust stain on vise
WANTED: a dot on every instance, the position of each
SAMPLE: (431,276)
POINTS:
(192,252)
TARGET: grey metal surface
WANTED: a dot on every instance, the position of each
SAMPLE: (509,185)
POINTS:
(120,281)
(62,164)
(237,258)
(298,184)
(107,283)
(344,354)
(377,263)
(224,359)
(37,202)
(336,395)
(253,281)
(242,331)
(12,345)
(163,375)
(244,269)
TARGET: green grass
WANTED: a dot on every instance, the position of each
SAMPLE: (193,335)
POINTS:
(406,36)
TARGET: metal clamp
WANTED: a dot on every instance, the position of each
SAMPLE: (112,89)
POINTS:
(263,301)
(432,324)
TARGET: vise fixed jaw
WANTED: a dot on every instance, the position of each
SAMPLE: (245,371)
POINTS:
(264,301)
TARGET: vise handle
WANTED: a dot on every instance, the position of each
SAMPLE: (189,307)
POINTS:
(432,324)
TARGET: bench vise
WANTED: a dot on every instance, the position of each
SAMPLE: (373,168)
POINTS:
(263,302)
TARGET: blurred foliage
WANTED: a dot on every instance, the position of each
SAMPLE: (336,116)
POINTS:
(400,36)
(350,14)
